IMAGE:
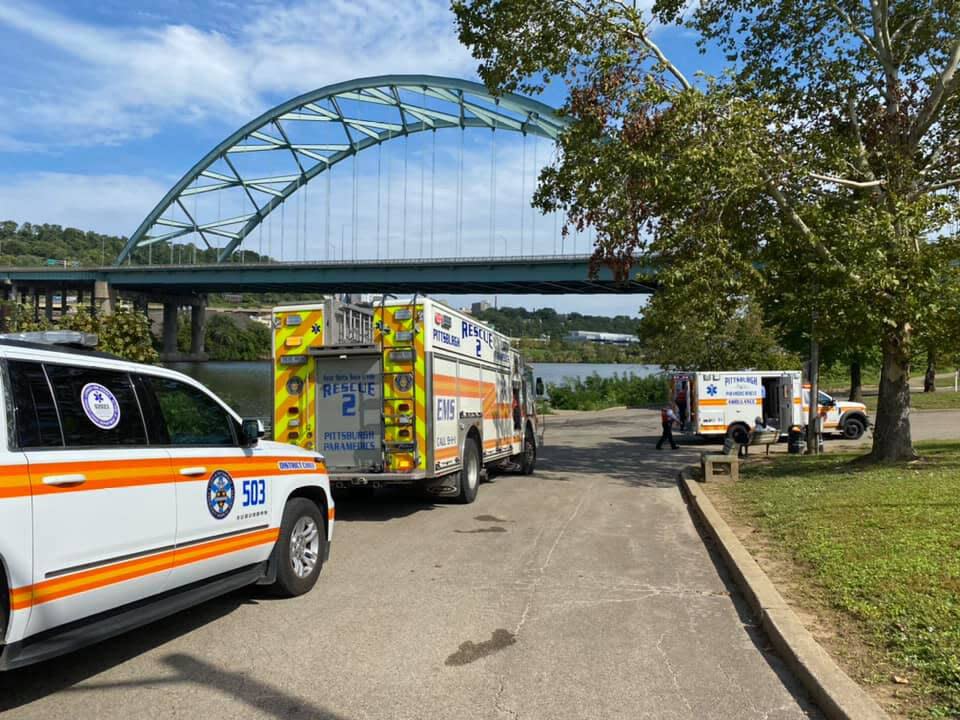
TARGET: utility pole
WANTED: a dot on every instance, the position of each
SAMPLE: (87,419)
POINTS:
(813,411)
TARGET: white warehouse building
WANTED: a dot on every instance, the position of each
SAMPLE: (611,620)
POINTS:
(601,337)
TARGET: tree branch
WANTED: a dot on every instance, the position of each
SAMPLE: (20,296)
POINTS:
(876,46)
(862,157)
(811,237)
(944,87)
(638,33)
(848,183)
(937,186)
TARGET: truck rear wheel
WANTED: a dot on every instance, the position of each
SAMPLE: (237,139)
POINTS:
(469,473)
(853,428)
(300,548)
(528,458)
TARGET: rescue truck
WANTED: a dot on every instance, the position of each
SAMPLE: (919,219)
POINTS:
(129,492)
(730,403)
(435,399)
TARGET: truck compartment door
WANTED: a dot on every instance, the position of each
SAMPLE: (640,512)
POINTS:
(349,407)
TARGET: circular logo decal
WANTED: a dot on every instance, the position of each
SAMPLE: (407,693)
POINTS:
(100,406)
(295,385)
(403,382)
(220,494)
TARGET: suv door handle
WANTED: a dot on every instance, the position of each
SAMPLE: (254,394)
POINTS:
(75,479)
(193,471)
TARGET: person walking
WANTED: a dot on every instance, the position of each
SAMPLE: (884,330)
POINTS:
(668,416)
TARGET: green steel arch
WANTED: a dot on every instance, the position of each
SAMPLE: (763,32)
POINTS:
(454,104)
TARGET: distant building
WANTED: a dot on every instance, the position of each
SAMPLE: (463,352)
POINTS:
(478,307)
(601,337)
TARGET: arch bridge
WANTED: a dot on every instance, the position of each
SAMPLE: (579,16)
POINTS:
(224,203)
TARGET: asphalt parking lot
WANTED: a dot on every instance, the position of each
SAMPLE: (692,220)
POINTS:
(583,591)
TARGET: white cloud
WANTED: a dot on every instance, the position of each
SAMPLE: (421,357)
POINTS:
(106,85)
(113,204)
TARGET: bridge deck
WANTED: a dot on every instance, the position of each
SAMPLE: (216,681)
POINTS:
(546,275)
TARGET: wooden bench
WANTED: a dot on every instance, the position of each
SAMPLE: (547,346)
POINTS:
(763,437)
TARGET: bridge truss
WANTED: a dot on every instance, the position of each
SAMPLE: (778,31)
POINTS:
(268,161)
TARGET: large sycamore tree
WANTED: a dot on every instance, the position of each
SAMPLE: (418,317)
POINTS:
(817,170)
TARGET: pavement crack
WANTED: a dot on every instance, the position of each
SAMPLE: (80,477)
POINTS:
(673,674)
(498,702)
(546,563)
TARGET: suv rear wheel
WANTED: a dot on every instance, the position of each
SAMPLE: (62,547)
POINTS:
(300,548)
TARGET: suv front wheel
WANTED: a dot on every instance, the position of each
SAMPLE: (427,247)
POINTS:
(300,548)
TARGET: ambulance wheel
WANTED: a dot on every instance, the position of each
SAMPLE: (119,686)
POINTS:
(470,474)
(300,548)
(853,428)
(528,458)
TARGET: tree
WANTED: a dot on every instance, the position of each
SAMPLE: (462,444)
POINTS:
(687,330)
(815,169)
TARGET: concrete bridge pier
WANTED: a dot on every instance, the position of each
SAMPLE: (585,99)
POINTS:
(104,297)
(170,326)
(170,323)
(198,329)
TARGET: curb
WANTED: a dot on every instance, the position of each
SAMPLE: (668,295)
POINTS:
(836,694)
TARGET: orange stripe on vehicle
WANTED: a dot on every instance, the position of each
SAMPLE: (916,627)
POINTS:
(116,474)
(57,588)
(713,401)
(14,482)
(331,514)
(714,427)
(447,453)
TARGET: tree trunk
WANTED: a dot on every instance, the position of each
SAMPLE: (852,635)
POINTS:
(891,433)
(930,378)
(856,382)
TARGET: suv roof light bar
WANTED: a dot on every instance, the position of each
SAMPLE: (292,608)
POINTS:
(73,338)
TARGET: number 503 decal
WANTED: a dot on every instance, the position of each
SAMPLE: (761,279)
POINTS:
(254,492)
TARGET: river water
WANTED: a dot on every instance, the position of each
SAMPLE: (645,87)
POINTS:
(246,386)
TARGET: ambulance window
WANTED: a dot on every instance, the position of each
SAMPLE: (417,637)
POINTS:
(191,416)
(36,415)
(98,408)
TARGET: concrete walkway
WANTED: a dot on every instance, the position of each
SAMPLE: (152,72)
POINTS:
(583,591)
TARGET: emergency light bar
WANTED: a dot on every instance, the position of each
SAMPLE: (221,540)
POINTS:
(74,338)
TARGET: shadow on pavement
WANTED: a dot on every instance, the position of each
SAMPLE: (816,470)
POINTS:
(388,503)
(26,685)
(260,696)
(633,461)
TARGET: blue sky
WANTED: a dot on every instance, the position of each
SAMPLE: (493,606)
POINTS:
(107,104)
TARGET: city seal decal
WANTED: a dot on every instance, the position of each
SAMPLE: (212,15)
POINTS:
(220,494)
(100,406)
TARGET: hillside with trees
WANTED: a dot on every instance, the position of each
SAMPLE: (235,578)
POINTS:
(547,322)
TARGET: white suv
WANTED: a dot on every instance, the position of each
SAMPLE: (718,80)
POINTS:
(129,492)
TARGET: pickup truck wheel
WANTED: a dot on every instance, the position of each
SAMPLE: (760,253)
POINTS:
(528,458)
(469,474)
(300,548)
(853,428)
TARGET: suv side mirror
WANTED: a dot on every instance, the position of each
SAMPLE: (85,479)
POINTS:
(540,390)
(251,430)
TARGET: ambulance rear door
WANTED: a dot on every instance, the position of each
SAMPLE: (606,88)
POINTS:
(349,408)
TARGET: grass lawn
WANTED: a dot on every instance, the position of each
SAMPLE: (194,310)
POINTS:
(881,544)
(942,399)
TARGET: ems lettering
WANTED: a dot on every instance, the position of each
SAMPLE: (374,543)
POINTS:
(446,409)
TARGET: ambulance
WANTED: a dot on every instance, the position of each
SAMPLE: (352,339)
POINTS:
(129,492)
(435,399)
(730,404)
